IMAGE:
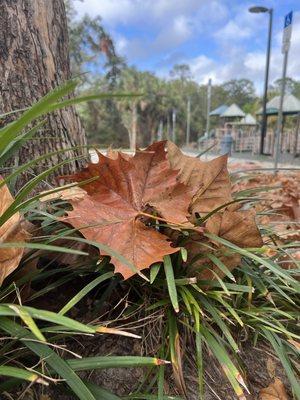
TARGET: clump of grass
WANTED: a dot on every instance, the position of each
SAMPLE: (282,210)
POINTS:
(259,298)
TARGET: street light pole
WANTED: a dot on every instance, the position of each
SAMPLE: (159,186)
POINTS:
(188,122)
(208,106)
(259,9)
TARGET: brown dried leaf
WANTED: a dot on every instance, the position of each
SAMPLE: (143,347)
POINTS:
(238,227)
(203,268)
(113,211)
(10,231)
(275,391)
(114,154)
(72,193)
(209,181)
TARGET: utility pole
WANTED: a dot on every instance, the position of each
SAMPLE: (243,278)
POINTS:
(188,122)
(287,33)
(174,125)
(208,106)
(160,130)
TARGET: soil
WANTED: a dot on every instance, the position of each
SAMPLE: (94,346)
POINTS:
(125,381)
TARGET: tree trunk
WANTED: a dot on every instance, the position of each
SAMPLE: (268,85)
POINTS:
(34,58)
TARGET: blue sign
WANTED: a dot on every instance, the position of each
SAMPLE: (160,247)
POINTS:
(288,19)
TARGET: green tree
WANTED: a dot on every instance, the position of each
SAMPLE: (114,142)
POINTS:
(240,91)
(181,72)
(291,86)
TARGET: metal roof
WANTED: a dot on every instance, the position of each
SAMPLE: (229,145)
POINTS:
(218,111)
(291,105)
(233,111)
(248,120)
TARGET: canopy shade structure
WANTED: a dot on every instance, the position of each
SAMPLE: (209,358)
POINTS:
(218,111)
(233,111)
(291,105)
(248,120)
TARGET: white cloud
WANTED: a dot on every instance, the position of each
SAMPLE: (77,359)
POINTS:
(161,27)
(112,11)
(159,12)
(121,44)
(232,31)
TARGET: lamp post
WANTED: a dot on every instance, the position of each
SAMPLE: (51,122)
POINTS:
(257,10)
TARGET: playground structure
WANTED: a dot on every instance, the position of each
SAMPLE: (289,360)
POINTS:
(245,129)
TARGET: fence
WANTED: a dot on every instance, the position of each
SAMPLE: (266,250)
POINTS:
(248,140)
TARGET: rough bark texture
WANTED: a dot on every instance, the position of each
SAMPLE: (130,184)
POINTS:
(34,58)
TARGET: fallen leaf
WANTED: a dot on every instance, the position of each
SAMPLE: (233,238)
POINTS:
(209,181)
(72,193)
(10,231)
(238,227)
(201,266)
(275,391)
(114,154)
(119,205)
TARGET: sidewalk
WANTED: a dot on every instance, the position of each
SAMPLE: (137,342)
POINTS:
(242,160)
(257,161)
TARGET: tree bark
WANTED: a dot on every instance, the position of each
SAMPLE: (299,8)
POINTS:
(34,58)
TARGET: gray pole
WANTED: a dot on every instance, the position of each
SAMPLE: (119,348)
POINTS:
(265,98)
(160,130)
(208,105)
(280,114)
(188,122)
(173,126)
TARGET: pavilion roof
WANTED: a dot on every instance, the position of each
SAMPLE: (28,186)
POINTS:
(248,120)
(218,111)
(233,111)
(291,105)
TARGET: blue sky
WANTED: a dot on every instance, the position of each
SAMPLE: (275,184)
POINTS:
(218,39)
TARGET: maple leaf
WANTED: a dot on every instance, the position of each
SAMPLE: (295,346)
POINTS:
(117,204)
(209,181)
(10,231)
(275,391)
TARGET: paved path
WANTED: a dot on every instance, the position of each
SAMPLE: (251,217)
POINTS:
(244,160)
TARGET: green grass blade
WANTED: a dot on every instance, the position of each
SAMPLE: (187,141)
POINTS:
(154,270)
(36,161)
(91,97)
(100,393)
(12,130)
(44,315)
(215,313)
(267,263)
(83,292)
(282,355)
(16,144)
(171,282)
(27,319)
(221,266)
(41,246)
(23,374)
(220,353)
(113,362)
(50,358)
